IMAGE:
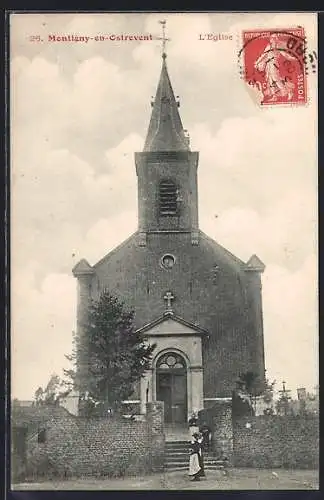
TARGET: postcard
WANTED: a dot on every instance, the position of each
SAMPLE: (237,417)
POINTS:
(164,326)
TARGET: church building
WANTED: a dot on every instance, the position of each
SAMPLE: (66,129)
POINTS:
(198,302)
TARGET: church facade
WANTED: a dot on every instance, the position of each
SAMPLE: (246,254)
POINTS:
(199,303)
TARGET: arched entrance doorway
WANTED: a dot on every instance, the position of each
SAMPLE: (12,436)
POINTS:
(171,387)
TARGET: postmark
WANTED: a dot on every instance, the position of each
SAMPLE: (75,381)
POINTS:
(274,64)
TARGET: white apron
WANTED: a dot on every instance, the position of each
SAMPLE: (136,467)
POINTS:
(194,466)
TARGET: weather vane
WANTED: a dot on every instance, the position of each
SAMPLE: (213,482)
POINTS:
(163,38)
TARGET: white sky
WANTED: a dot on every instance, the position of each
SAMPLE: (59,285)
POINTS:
(80,111)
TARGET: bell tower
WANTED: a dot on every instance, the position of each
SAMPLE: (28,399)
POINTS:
(167,169)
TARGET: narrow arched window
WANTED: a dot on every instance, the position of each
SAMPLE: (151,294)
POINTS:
(168,197)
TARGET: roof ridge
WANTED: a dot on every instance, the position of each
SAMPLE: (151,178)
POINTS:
(114,250)
(227,252)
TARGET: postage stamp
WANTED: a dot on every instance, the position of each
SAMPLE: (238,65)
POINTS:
(274,65)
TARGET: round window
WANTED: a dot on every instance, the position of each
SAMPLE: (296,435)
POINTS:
(168,261)
(170,361)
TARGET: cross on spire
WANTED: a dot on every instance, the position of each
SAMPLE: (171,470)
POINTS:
(168,297)
(163,38)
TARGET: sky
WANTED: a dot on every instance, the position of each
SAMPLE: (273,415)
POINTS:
(79,111)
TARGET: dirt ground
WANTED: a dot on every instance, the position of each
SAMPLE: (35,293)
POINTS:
(237,479)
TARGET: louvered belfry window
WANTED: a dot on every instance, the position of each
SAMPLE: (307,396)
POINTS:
(168,194)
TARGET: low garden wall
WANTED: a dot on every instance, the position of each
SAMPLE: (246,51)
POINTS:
(77,446)
(290,442)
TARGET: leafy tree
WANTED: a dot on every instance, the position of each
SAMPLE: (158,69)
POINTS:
(117,355)
(251,384)
(52,393)
(268,391)
(247,381)
(39,396)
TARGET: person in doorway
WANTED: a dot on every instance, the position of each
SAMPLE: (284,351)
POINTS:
(195,469)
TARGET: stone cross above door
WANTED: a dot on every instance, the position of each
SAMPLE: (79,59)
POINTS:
(168,297)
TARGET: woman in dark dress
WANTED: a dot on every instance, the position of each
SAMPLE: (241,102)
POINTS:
(201,454)
(196,466)
(206,434)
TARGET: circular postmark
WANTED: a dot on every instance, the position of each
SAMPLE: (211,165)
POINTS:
(275,64)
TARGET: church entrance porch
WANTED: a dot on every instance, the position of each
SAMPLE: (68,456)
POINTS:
(176,373)
(171,387)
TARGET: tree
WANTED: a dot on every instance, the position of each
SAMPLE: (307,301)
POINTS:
(117,355)
(268,391)
(53,392)
(39,396)
(252,385)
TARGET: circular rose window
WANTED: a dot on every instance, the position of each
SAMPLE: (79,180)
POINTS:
(171,361)
(168,261)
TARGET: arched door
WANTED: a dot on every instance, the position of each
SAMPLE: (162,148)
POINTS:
(171,387)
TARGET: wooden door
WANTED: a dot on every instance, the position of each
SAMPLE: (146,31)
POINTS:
(179,397)
(164,393)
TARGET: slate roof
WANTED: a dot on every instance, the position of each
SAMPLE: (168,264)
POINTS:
(165,132)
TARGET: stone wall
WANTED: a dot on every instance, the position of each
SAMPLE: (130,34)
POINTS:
(79,446)
(276,442)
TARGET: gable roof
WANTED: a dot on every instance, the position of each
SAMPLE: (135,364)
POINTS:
(168,318)
(231,258)
(116,249)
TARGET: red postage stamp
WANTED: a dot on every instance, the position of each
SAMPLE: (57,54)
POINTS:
(274,65)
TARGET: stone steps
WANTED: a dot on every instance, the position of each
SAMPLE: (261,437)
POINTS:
(185,466)
(185,457)
(177,457)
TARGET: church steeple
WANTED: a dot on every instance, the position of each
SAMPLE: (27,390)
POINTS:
(167,169)
(165,132)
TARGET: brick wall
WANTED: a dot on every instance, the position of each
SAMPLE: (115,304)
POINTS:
(78,446)
(155,426)
(219,419)
(276,442)
(119,447)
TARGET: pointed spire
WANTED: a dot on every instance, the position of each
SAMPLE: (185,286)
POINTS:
(165,132)
(82,268)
